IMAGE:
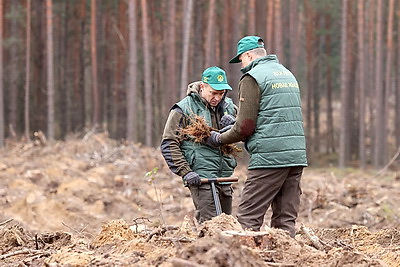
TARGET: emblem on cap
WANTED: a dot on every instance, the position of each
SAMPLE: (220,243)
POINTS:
(220,78)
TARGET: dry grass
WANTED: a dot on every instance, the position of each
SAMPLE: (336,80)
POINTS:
(199,131)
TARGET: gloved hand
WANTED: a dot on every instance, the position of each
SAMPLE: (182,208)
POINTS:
(227,120)
(214,140)
(192,178)
(226,128)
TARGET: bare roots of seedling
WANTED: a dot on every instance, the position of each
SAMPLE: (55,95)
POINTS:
(199,131)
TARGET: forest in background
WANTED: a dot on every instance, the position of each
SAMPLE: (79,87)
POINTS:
(117,66)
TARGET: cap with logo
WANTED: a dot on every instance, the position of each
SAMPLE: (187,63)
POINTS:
(246,44)
(216,78)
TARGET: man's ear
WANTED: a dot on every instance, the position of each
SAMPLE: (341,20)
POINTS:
(201,86)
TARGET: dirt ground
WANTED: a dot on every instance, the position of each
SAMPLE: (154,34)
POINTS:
(92,201)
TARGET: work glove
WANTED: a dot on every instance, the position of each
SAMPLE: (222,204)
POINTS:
(214,140)
(226,128)
(192,178)
(227,120)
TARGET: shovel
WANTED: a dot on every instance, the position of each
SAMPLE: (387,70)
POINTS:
(212,182)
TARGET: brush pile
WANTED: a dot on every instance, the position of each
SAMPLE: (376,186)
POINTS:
(199,131)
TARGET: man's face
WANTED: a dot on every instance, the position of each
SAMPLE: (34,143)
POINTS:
(246,58)
(212,96)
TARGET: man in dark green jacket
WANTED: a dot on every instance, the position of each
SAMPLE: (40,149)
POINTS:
(193,161)
(270,123)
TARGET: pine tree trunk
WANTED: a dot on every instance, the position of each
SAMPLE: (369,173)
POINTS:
(362,84)
(187,25)
(50,70)
(171,56)
(344,134)
(351,108)
(2,121)
(294,33)
(251,17)
(270,27)
(388,83)
(132,83)
(210,36)
(278,31)
(379,101)
(93,49)
(63,86)
(371,75)
(397,92)
(310,36)
(329,99)
(13,76)
(27,69)
(147,77)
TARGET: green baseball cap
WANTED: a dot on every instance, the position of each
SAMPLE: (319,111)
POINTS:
(246,44)
(216,78)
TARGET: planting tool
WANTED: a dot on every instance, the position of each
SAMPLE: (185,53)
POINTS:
(212,182)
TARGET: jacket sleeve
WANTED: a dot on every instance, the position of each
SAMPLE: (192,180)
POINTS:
(170,144)
(249,103)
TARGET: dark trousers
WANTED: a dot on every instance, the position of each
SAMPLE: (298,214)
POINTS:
(275,187)
(204,202)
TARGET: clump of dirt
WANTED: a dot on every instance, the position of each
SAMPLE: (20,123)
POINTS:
(112,232)
(218,224)
(69,257)
(218,250)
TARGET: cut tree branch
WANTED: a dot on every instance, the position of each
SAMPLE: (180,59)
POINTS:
(18,252)
(5,222)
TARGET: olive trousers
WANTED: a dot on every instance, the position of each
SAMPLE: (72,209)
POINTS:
(204,202)
(275,187)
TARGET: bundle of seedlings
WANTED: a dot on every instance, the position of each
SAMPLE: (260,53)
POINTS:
(199,131)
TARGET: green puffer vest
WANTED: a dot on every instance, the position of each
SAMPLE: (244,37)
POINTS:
(206,161)
(278,140)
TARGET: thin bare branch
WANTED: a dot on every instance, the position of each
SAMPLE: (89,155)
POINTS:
(7,221)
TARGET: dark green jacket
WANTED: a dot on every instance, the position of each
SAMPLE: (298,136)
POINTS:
(183,156)
(278,140)
(208,162)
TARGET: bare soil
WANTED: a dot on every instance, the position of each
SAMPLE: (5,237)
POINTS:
(93,201)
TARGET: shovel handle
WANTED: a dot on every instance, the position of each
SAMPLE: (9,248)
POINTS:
(219,180)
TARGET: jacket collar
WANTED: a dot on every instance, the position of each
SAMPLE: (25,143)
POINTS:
(260,60)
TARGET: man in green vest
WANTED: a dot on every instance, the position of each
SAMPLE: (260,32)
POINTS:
(270,122)
(192,160)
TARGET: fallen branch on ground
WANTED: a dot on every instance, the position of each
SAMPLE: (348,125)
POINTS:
(245,233)
(161,230)
(178,239)
(18,252)
(186,263)
(312,237)
(5,222)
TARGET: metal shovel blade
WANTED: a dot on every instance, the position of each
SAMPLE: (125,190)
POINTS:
(217,204)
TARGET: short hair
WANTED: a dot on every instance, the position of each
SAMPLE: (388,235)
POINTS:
(259,52)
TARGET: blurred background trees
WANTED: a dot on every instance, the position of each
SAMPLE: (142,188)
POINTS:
(117,66)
